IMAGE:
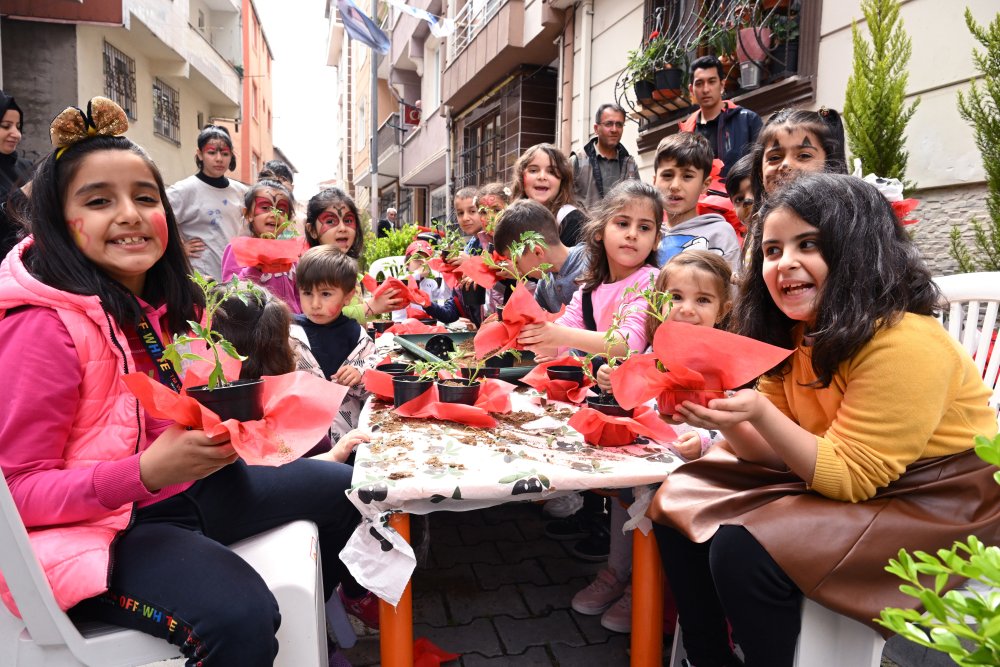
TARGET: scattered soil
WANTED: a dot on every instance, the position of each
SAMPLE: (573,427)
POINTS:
(518,418)
(400,475)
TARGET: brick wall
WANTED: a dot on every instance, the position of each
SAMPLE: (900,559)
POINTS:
(940,209)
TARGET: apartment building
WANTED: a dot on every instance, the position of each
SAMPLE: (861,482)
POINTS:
(171,64)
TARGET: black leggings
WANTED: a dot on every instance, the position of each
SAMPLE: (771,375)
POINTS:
(731,577)
(173,576)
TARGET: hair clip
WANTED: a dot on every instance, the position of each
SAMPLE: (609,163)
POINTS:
(824,111)
(103,118)
(506,191)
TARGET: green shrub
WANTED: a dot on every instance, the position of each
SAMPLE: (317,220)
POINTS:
(391,245)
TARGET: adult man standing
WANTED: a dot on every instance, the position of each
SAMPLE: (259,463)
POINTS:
(606,160)
(729,128)
(386,223)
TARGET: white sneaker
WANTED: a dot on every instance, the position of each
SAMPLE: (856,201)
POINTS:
(600,594)
(619,617)
(563,506)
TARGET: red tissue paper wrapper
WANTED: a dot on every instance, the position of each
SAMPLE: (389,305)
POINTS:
(558,390)
(413,326)
(604,430)
(701,364)
(268,255)
(494,396)
(410,293)
(447,271)
(520,309)
(903,208)
(298,410)
(478,271)
(427,654)
(379,383)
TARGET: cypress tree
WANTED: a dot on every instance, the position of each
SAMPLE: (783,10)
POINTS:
(875,113)
(980,107)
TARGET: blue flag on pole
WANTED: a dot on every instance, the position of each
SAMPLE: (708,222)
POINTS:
(360,27)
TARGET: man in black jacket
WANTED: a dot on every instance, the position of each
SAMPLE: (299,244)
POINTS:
(605,161)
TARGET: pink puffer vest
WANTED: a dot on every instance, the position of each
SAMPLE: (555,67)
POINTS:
(107,426)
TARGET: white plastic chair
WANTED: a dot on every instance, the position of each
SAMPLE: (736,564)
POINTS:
(387,267)
(971,318)
(287,558)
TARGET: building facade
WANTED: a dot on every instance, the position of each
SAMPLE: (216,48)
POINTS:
(172,65)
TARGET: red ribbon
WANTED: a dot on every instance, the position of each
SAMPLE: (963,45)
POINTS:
(604,430)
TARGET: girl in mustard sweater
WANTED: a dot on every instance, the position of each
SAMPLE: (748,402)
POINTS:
(857,446)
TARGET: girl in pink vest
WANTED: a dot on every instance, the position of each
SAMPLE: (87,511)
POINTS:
(130,516)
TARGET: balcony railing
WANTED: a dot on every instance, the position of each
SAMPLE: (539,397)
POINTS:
(472,18)
(388,134)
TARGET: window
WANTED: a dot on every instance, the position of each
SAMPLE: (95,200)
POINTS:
(119,79)
(166,111)
(200,119)
(253,100)
(435,80)
(269,121)
(254,164)
(482,153)
(201,21)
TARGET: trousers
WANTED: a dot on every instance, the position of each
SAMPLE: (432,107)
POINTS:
(173,575)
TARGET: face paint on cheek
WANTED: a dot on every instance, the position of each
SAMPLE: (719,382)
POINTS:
(159,223)
(76,231)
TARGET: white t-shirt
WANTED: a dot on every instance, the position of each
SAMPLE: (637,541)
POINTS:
(214,215)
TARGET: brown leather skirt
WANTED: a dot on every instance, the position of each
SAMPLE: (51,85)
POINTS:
(835,551)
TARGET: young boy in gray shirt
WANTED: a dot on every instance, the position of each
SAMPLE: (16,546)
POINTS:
(557,281)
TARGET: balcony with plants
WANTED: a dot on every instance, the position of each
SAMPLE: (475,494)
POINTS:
(756,41)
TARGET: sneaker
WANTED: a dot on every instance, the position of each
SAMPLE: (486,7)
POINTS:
(563,506)
(364,608)
(619,617)
(596,547)
(599,595)
(574,527)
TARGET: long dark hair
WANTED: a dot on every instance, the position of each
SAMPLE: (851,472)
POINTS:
(57,261)
(875,273)
(258,329)
(624,193)
(319,203)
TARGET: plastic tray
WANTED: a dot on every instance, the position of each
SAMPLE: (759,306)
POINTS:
(412,343)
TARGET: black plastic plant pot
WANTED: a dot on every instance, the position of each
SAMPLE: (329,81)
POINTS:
(440,346)
(500,314)
(483,373)
(458,390)
(571,373)
(505,360)
(671,78)
(405,388)
(380,326)
(242,400)
(644,91)
(429,321)
(476,296)
(607,404)
(394,368)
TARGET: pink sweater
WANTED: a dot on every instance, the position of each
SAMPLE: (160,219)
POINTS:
(610,298)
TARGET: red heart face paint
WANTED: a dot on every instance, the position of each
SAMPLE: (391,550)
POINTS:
(159,223)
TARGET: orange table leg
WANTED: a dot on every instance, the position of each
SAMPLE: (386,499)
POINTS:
(647,601)
(396,624)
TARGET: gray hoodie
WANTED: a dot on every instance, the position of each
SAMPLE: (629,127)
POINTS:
(702,232)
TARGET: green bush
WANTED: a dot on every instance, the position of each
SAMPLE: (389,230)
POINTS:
(392,245)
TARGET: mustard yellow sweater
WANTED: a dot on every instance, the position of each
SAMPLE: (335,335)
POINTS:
(911,393)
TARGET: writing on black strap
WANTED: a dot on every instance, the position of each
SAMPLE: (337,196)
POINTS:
(165,369)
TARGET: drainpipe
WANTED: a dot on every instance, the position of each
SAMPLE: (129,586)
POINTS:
(373,144)
(587,38)
(446,112)
(559,95)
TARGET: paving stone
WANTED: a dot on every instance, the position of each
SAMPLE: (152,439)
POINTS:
(430,608)
(470,518)
(542,600)
(473,535)
(466,604)
(492,577)
(444,579)
(519,550)
(536,656)
(516,512)
(478,636)
(591,627)
(613,653)
(518,634)
(366,653)
(449,555)
(446,534)
(562,570)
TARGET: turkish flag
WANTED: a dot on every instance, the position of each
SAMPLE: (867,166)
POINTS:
(411,114)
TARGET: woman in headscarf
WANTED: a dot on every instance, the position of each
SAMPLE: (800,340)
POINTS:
(14,171)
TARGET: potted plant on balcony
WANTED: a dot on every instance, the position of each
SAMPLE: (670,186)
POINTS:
(721,41)
(785,54)
(753,43)
(641,66)
(670,69)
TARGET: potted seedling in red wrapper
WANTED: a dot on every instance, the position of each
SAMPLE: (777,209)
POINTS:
(605,401)
(454,389)
(241,399)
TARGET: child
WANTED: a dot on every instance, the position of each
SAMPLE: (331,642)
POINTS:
(417,254)
(682,172)
(467,215)
(491,200)
(698,283)
(209,206)
(261,201)
(332,219)
(740,192)
(326,279)
(557,283)
(276,170)
(544,174)
(860,444)
(122,506)
(621,243)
